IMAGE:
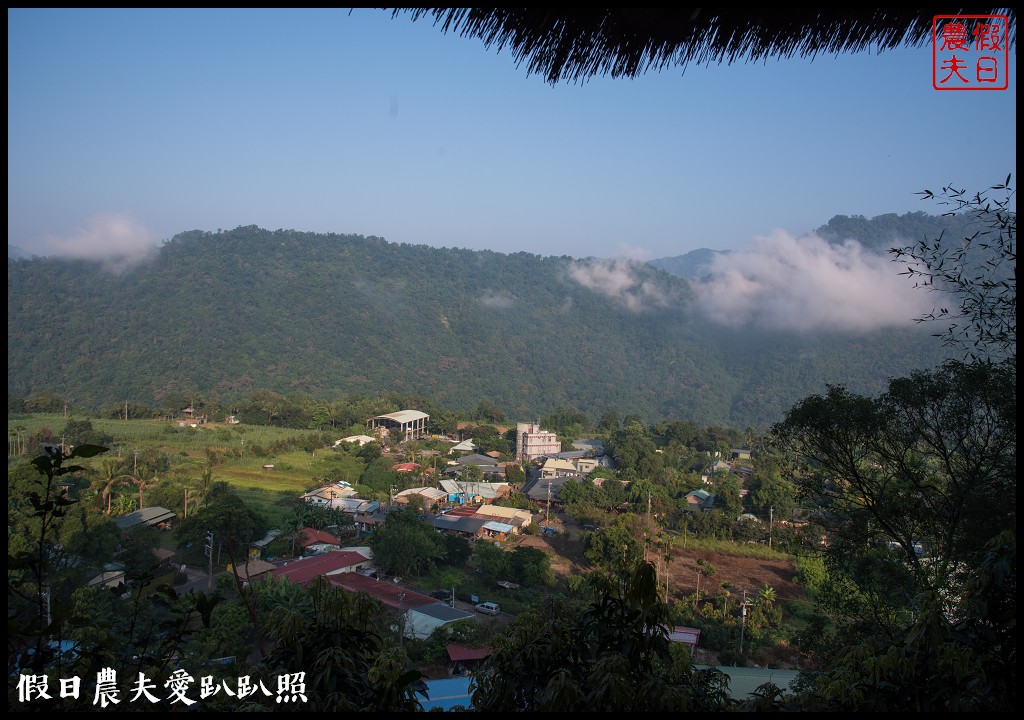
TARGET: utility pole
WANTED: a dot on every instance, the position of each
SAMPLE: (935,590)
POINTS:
(401,619)
(547,518)
(743,625)
(668,560)
(771,518)
(208,548)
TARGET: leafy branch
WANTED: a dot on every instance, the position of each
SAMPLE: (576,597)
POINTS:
(979,271)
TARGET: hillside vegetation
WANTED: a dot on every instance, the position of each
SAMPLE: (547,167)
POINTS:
(228,313)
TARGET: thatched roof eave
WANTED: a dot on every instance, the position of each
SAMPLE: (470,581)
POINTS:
(576,44)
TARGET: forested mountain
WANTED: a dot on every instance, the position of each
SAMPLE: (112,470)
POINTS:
(883,232)
(227,313)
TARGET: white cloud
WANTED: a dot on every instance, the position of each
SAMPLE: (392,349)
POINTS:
(632,252)
(500,299)
(618,279)
(116,240)
(807,284)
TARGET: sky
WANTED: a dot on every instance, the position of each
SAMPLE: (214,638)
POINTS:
(127,127)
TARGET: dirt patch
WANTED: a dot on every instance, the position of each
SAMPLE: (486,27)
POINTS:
(566,551)
(742,573)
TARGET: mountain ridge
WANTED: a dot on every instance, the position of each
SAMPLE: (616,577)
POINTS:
(231,312)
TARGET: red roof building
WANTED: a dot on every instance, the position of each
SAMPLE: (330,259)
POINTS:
(392,595)
(329,564)
(461,653)
(310,537)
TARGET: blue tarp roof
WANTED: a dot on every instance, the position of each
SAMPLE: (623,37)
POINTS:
(447,693)
(498,527)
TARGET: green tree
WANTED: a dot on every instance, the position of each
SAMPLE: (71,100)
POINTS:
(931,463)
(609,422)
(457,550)
(531,567)
(233,523)
(515,475)
(635,453)
(918,488)
(487,411)
(79,432)
(568,422)
(611,653)
(727,495)
(349,664)
(616,546)
(379,476)
(45,402)
(112,473)
(769,489)
(40,617)
(471,473)
(493,562)
(403,545)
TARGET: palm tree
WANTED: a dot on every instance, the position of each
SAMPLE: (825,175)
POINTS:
(726,586)
(112,474)
(143,477)
(703,568)
(294,527)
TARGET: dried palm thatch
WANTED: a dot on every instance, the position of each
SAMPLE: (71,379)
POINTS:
(576,44)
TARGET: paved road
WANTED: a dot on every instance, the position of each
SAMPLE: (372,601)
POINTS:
(198,580)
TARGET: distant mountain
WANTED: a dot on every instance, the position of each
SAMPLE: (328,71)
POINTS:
(883,232)
(693,265)
(880,234)
(228,313)
(16,253)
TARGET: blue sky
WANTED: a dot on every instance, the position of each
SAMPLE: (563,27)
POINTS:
(126,127)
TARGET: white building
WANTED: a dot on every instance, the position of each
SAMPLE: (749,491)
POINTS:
(412,424)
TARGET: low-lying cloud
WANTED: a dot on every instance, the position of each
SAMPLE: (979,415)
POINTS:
(116,240)
(808,284)
(621,280)
(497,299)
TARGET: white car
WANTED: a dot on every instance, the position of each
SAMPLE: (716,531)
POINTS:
(488,608)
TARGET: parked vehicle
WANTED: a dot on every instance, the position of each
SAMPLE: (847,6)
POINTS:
(488,608)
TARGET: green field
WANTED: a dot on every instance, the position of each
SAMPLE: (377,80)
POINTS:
(270,490)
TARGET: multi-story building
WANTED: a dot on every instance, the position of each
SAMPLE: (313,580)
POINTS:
(532,442)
